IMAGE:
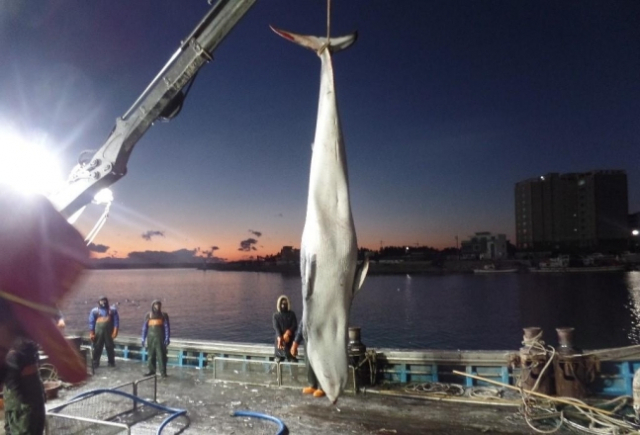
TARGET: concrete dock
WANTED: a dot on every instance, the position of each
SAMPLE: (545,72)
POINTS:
(210,403)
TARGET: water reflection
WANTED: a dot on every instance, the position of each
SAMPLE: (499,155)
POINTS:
(633,287)
(417,311)
(593,303)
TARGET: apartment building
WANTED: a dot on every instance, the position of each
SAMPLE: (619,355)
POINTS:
(574,210)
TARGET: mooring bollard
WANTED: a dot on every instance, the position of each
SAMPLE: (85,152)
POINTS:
(571,370)
(533,358)
(636,392)
(357,357)
(356,347)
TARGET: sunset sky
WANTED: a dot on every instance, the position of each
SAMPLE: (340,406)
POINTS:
(445,105)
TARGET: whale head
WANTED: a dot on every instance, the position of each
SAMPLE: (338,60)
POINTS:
(327,353)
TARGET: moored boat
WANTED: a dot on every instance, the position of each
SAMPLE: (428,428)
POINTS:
(564,264)
(491,268)
(581,269)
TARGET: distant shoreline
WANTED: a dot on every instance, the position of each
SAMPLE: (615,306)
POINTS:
(375,268)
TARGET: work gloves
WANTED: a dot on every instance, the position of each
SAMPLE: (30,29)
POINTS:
(287,336)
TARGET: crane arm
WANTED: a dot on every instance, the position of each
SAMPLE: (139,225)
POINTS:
(162,98)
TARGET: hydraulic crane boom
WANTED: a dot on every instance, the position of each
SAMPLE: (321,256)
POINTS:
(162,98)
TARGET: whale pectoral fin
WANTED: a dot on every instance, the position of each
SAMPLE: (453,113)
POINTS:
(361,274)
(308,270)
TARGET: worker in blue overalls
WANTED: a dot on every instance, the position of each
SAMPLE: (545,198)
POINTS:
(104,322)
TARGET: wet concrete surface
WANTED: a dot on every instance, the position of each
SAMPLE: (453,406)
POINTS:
(210,405)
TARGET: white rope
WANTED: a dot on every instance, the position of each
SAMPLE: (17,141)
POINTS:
(99,224)
(599,423)
(48,372)
(529,405)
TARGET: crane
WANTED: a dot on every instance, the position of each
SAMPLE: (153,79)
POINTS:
(162,99)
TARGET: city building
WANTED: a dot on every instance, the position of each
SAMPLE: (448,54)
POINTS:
(289,255)
(586,210)
(484,246)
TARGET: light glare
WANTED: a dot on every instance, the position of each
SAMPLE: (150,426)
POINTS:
(26,166)
(104,196)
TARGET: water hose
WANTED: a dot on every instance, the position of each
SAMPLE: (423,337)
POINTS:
(282,429)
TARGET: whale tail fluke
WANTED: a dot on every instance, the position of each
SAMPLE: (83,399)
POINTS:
(317,43)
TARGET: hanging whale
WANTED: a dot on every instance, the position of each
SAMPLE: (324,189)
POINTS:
(329,249)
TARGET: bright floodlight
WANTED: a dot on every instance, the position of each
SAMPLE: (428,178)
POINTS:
(104,196)
(27,166)
(635,232)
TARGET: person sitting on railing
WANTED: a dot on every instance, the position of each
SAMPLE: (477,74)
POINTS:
(104,322)
(285,324)
(314,386)
(156,331)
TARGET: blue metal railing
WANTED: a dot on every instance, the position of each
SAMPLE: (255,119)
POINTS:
(615,377)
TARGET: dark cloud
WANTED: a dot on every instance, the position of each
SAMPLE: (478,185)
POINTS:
(255,233)
(247,245)
(98,248)
(147,236)
(209,252)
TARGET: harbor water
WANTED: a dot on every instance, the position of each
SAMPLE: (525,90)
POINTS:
(464,311)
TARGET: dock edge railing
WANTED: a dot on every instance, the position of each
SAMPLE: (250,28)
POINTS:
(404,366)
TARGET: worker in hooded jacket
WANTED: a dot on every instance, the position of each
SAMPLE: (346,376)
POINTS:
(156,331)
(104,322)
(285,325)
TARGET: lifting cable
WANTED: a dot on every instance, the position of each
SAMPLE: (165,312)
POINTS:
(328,20)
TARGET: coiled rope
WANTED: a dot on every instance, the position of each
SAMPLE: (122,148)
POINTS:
(532,409)
(536,409)
(370,357)
(48,372)
(436,388)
